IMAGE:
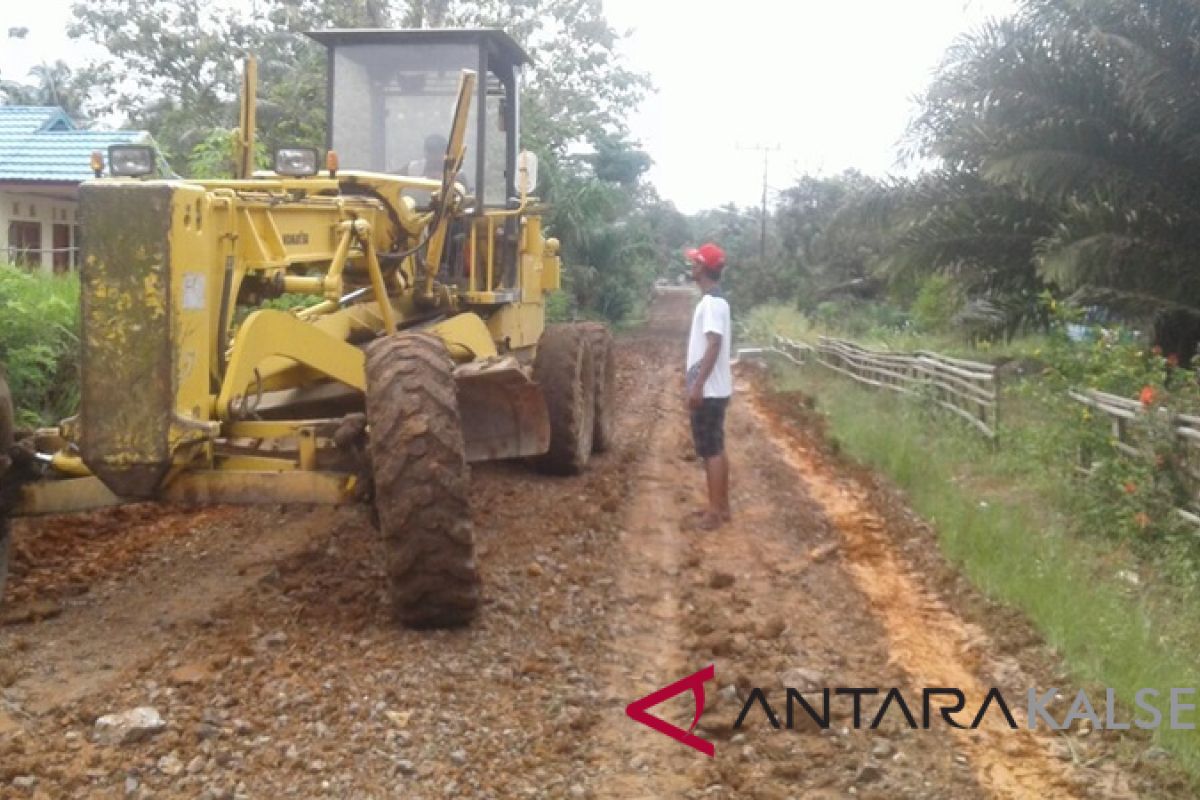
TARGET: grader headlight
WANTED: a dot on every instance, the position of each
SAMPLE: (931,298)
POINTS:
(296,162)
(130,160)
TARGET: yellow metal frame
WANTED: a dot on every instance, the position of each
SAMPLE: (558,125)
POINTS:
(351,240)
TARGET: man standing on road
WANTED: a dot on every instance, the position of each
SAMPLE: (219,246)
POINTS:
(710,382)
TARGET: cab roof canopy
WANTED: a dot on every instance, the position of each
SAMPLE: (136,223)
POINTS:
(496,42)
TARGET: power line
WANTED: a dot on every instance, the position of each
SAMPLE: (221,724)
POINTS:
(766,151)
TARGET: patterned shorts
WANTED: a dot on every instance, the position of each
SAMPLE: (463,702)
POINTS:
(708,427)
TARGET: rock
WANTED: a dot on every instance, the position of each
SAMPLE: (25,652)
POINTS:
(727,698)
(206,731)
(273,640)
(720,580)
(771,629)
(721,644)
(535,569)
(822,553)
(405,767)
(577,792)
(882,749)
(242,728)
(459,757)
(189,675)
(196,765)
(170,765)
(868,774)
(131,785)
(24,782)
(30,612)
(129,726)
(802,679)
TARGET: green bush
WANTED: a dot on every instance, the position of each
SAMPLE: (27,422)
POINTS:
(39,343)
(559,307)
(766,321)
(935,304)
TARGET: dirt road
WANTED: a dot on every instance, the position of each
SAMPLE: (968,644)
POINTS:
(263,640)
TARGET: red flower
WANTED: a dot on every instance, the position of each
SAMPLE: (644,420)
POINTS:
(1148,395)
(1130,487)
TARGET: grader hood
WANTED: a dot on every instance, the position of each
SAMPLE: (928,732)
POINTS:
(127,392)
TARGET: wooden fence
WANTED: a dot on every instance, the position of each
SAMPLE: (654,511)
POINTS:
(969,390)
(965,388)
(798,353)
(1126,417)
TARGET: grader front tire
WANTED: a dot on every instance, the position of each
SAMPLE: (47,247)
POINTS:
(564,370)
(421,481)
(604,364)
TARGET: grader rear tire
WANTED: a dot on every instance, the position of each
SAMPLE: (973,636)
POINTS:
(604,363)
(6,442)
(563,368)
(421,481)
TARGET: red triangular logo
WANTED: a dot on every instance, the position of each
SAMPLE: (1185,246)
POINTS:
(637,709)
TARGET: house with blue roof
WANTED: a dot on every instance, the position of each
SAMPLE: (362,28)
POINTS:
(44,156)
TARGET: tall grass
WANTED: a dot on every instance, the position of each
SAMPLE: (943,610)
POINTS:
(39,343)
(1006,519)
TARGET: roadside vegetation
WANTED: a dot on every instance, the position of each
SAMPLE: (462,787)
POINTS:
(39,345)
(1117,601)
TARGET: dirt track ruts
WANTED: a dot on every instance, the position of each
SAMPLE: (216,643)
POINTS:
(264,638)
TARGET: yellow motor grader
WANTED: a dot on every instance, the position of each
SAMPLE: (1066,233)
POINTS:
(360,332)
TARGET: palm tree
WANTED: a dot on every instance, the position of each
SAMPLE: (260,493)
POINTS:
(1085,114)
(54,85)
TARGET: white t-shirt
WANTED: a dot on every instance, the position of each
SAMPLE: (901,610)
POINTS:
(712,316)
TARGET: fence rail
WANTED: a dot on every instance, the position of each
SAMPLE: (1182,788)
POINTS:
(796,352)
(1125,416)
(969,389)
(965,388)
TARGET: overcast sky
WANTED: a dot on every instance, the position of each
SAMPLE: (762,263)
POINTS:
(830,83)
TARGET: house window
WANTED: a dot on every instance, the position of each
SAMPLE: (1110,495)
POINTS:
(25,243)
(64,254)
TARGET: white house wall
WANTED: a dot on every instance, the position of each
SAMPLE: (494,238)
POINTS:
(41,207)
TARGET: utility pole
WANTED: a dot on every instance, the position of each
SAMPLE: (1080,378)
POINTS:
(766,150)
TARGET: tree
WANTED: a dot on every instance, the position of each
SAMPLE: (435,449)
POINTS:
(53,85)
(175,68)
(1083,114)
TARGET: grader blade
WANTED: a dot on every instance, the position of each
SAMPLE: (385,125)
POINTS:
(503,411)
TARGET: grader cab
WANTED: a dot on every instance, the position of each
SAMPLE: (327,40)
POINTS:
(357,333)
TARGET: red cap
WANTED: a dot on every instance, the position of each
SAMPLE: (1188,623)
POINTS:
(709,256)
